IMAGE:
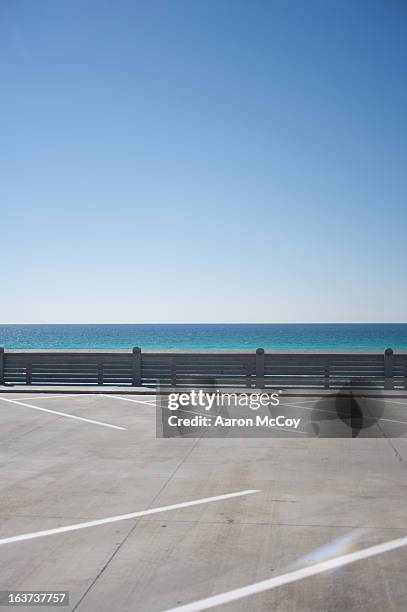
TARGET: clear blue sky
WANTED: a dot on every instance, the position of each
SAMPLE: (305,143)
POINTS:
(203,161)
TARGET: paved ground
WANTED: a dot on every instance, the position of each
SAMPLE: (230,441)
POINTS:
(315,499)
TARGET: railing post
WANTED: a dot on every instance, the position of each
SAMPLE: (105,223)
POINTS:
(326,375)
(388,369)
(28,373)
(100,373)
(249,371)
(1,365)
(136,369)
(173,372)
(259,368)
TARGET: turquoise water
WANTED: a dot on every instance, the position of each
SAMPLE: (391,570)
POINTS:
(375,336)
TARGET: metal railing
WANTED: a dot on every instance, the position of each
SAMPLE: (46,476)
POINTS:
(220,368)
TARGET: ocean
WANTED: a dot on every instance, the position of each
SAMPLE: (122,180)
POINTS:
(347,336)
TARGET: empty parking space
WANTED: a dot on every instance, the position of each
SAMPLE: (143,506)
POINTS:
(124,520)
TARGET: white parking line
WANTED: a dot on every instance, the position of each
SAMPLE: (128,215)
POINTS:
(334,412)
(307,401)
(123,517)
(380,399)
(308,408)
(300,431)
(36,396)
(153,405)
(127,399)
(63,414)
(277,581)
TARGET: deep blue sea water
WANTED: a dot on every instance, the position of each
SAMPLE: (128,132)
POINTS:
(366,336)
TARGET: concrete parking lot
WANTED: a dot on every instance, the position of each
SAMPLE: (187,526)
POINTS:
(92,502)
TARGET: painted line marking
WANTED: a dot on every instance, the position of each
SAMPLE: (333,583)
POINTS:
(388,420)
(313,408)
(36,396)
(127,399)
(57,396)
(334,412)
(293,398)
(153,405)
(334,397)
(277,581)
(379,399)
(290,429)
(63,414)
(123,517)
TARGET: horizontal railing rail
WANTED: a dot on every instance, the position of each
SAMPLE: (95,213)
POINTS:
(220,368)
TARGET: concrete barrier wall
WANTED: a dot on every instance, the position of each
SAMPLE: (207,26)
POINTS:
(233,368)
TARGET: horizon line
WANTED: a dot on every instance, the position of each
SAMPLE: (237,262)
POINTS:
(220,323)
